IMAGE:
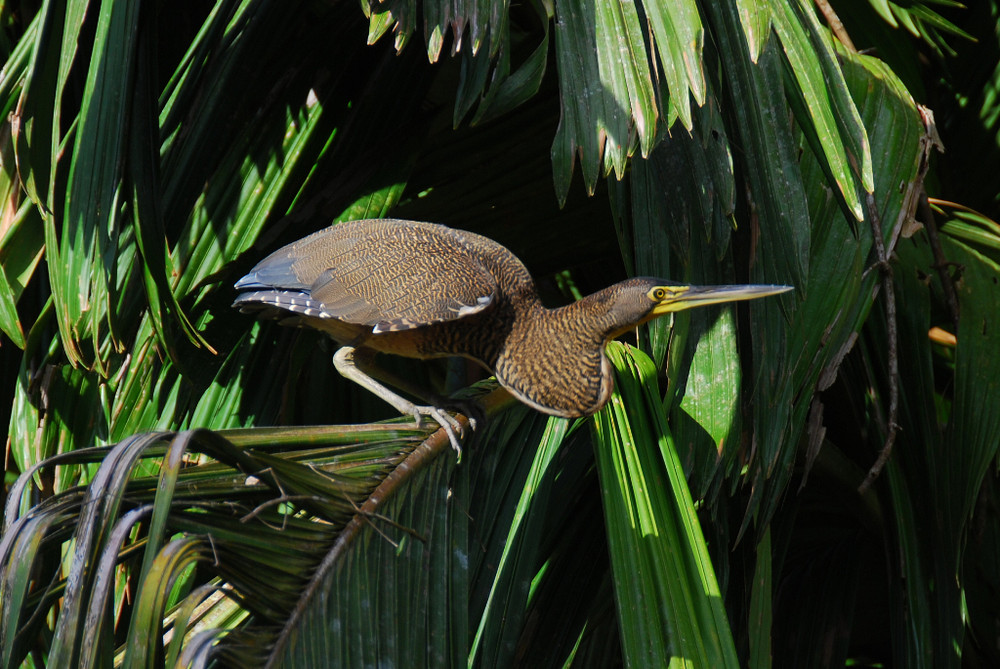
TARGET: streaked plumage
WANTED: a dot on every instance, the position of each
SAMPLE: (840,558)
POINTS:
(423,290)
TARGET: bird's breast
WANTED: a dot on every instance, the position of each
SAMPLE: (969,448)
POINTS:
(558,370)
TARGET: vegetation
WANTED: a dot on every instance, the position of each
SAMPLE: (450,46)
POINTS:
(802,481)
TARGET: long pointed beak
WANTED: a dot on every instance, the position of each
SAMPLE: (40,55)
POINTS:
(688,297)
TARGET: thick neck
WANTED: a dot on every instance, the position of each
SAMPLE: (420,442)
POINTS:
(553,359)
(595,315)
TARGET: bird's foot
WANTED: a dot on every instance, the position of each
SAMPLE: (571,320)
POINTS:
(447,422)
(469,408)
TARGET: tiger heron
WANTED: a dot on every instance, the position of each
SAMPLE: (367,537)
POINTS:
(423,290)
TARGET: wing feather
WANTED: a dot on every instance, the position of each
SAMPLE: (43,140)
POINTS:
(389,274)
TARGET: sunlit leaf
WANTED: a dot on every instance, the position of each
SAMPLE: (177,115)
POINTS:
(668,597)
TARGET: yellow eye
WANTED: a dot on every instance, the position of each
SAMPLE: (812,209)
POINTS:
(659,294)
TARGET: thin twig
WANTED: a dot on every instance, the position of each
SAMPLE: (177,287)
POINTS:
(215,553)
(892,426)
(369,516)
(912,199)
(836,26)
(941,263)
(280,500)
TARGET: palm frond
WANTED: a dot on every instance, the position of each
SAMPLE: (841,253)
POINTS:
(150,518)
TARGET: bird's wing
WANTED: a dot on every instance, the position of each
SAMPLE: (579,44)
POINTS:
(391,275)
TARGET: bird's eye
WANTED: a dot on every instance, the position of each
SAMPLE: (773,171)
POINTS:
(659,294)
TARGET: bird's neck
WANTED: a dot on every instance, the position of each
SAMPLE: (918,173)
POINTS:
(593,316)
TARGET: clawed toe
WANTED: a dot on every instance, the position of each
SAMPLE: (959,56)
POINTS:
(447,422)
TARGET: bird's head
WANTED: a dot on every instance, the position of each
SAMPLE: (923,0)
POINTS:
(641,299)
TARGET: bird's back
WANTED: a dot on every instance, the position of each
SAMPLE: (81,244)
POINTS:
(385,275)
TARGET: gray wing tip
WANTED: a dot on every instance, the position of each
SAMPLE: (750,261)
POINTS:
(275,272)
(249,281)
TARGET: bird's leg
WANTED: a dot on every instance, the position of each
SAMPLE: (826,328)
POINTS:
(364,359)
(345,363)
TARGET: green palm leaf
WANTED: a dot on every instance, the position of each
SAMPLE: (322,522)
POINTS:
(153,157)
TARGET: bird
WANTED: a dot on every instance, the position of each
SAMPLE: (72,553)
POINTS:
(425,290)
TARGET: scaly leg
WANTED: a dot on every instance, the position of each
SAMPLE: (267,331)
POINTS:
(344,361)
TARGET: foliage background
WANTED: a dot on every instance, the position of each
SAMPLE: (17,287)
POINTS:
(709,516)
